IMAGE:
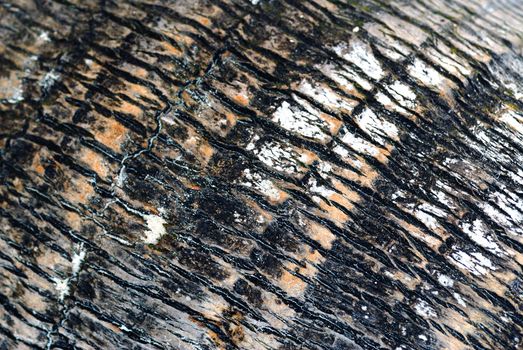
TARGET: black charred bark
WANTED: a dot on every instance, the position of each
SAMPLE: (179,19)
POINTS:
(272,174)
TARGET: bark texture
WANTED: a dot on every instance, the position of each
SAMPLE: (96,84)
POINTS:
(265,174)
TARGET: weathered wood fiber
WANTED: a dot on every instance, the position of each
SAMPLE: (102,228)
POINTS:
(271,174)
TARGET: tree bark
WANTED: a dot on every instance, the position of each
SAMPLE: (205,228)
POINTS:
(265,174)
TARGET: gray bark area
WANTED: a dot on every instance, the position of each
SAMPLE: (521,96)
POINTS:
(272,174)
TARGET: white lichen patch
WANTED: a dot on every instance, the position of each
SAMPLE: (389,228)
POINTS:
(478,232)
(360,54)
(512,120)
(356,143)
(300,121)
(428,214)
(342,151)
(62,287)
(237,217)
(423,309)
(324,169)
(252,144)
(44,36)
(344,77)
(49,79)
(517,176)
(427,75)
(278,156)
(476,263)
(508,210)
(78,258)
(319,189)
(442,196)
(445,280)
(459,299)
(427,219)
(491,146)
(125,328)
(122,177)
(399,194)
(326,96)
(389,104)
(369,122)
(156,228)
(264,186)
(403,94)
(515,91)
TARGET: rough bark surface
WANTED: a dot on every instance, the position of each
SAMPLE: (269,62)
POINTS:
(265,174)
